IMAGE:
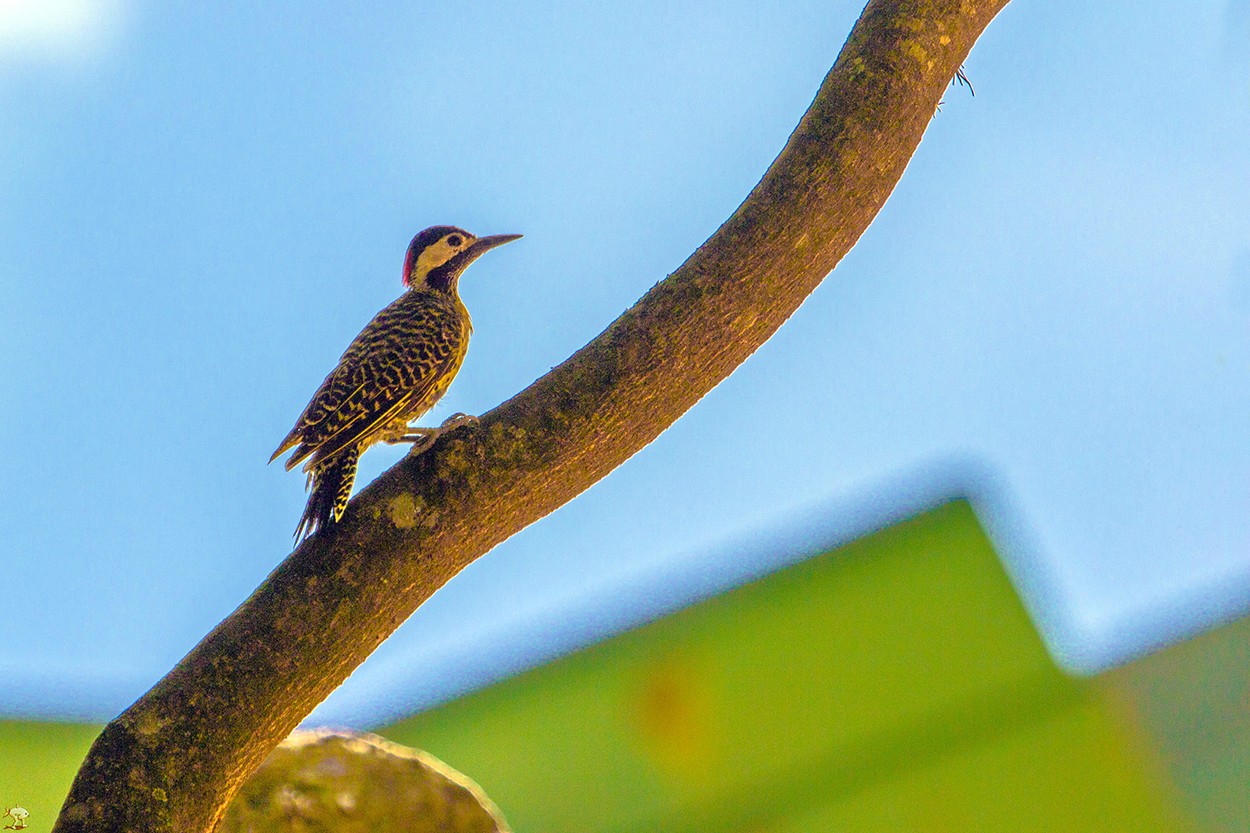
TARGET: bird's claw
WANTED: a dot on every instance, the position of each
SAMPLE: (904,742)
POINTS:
(423,438)
(459,420)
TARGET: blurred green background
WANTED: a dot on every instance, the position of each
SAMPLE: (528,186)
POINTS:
(892,684)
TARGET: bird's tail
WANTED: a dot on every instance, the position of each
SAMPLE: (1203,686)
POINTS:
(331,484)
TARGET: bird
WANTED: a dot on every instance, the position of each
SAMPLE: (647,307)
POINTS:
(391,374)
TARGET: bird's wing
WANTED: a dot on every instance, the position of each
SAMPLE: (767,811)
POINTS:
(390,367)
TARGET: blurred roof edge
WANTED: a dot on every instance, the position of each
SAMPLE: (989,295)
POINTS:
(413,680)
(648,589)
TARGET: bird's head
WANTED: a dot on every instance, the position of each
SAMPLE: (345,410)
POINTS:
(438,255)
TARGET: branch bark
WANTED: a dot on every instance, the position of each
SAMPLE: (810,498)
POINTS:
(173,760)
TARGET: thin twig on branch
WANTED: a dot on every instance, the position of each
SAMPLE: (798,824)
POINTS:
(173,760)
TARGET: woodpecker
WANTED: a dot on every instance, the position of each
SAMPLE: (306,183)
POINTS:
(392,373)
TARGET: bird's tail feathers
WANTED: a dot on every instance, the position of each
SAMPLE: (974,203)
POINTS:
(331,486)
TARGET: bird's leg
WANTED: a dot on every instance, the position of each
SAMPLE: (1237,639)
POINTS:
(423,438)
(402,432)
(406,434)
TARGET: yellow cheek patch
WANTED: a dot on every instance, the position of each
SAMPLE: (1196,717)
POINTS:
(435,256)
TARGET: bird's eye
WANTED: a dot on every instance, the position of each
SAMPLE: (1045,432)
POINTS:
(454,241)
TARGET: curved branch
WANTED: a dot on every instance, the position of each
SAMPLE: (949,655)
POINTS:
(173,759)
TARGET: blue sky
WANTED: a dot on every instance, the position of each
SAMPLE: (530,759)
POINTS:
(199,207)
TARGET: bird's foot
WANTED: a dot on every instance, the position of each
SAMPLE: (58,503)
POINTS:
(423,438)
(459,420)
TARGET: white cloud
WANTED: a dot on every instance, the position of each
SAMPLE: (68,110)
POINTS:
(57,29)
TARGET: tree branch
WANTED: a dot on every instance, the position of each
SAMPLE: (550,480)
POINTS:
(173,760)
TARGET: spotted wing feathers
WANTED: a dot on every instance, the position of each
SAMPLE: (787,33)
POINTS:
(392,373)
(387,373)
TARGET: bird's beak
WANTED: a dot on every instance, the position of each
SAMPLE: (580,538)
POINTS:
(482,245)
